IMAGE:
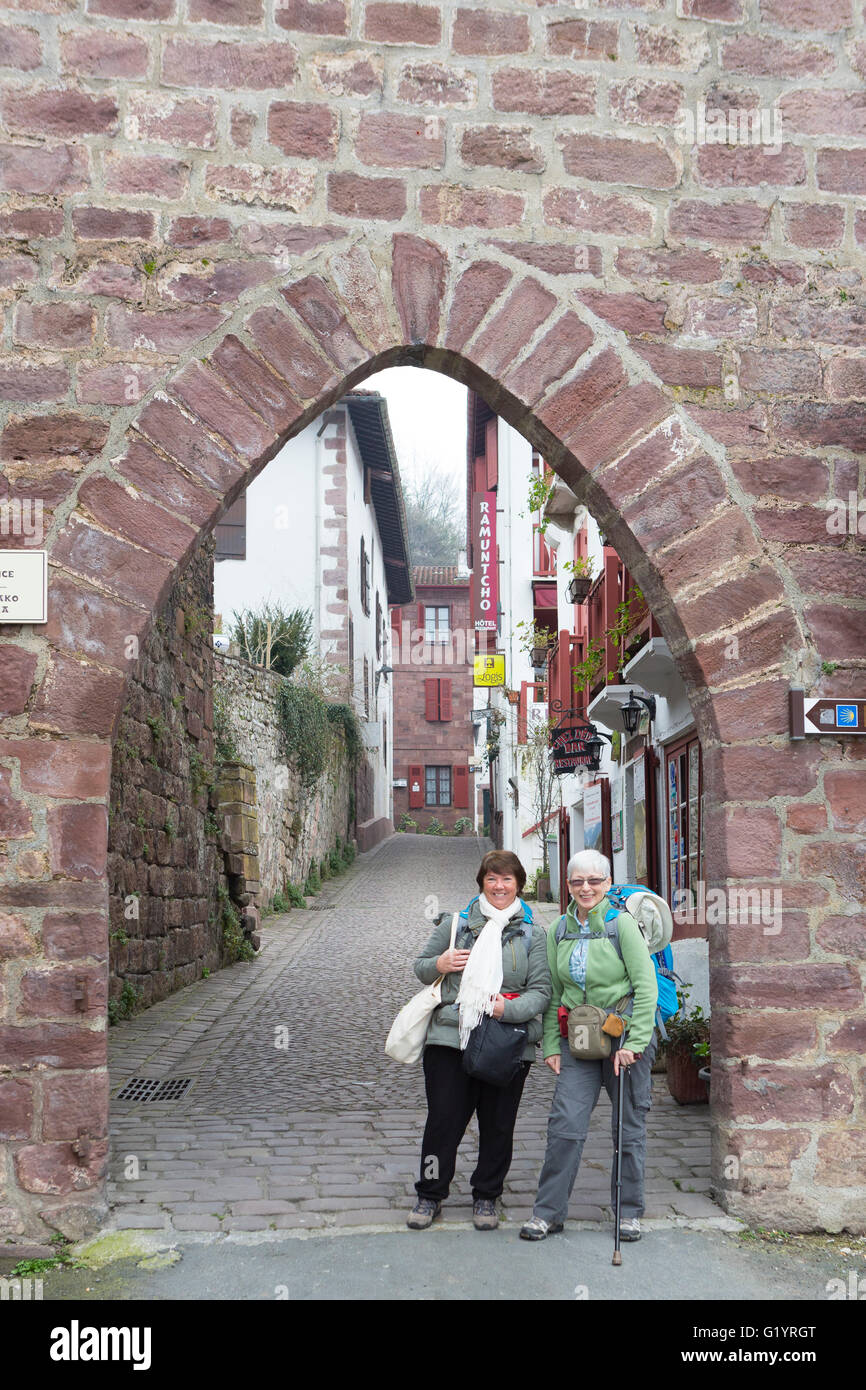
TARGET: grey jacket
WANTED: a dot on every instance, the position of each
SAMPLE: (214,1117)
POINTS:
(528,975)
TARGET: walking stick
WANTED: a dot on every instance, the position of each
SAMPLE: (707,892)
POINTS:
(617,1257)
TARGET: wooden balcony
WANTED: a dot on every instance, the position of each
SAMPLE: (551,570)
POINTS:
(562,658)
(613,586)
(543,556)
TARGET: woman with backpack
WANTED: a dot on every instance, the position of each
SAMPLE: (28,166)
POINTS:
(601,959)
(497,966)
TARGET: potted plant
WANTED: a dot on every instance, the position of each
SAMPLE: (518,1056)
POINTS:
(688,1051)
(535,641)
(580,583)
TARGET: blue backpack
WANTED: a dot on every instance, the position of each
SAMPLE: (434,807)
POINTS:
(668,1003)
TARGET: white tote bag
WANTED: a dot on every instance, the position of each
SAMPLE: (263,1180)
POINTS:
(405,1042)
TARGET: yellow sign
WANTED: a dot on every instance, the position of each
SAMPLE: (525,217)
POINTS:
(489,670)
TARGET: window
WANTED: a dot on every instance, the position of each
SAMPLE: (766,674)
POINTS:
(365,578)
(366,688)
(230,534)
(684,795)
(437,786)
(380,626)
(437,699)
(437,625)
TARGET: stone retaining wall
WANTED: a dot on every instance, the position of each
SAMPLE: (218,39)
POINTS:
(164,852)
(294,827)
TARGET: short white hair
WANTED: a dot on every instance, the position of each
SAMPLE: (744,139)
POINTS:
(590,861)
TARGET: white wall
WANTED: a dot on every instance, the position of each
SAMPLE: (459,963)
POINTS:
(286,515)
(283,562)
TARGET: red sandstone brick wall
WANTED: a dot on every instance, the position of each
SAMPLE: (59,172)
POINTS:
(435,742)
(210,231)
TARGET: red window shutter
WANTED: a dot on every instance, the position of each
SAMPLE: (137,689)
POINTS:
(522,710)
(431,699)
(421,616)
(396,618)
(491,450)
(444,699)
(461,786)
(416,784)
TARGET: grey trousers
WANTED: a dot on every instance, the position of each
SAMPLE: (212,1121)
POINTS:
(577,1090)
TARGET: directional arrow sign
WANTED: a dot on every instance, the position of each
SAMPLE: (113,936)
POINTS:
(826,715)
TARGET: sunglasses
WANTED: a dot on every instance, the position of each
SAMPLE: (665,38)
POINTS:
(593,882)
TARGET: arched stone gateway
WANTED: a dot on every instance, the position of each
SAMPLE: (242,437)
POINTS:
(150,383)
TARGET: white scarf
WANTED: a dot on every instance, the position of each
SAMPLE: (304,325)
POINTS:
(482,977)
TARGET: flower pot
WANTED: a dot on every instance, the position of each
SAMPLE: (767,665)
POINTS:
(578,588)
(538,656)
(684,1082)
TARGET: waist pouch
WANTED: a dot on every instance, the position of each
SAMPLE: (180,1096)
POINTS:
(591,1030)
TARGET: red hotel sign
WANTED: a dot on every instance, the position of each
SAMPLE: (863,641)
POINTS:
(485,575)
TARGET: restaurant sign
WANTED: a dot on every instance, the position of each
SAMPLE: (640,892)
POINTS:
(568,748)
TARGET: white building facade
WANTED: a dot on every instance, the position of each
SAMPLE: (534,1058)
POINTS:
(323,528)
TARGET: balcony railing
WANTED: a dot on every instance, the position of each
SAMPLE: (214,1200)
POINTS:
(543,556)
(562,658)
(613,586)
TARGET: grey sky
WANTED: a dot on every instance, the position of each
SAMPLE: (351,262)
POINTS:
(428,420)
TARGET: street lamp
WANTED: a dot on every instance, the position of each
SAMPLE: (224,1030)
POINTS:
(632,712)
(594,746)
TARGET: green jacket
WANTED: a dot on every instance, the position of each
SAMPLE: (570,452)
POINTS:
(607,977)
(528,975)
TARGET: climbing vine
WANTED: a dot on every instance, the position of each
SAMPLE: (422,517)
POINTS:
(347,719)
(304,730)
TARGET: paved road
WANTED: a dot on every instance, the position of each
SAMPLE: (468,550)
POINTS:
(295,1118)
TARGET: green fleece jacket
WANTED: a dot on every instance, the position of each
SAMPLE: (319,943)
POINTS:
(607,977)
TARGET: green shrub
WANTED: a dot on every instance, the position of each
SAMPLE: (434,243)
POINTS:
(313,884)
(290,635)
(125,1006)
(464,823)
(435,827)
(294,895)
(407,823)
(335,860)
(349,853)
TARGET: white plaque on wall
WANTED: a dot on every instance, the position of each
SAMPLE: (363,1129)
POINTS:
(23,586)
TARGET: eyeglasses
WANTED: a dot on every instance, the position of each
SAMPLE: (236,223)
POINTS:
(593,882)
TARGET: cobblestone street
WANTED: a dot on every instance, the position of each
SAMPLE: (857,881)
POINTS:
(296,1118)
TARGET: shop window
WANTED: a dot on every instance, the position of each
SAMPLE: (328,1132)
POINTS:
(684,803)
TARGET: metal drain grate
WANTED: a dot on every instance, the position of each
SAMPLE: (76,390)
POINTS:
(322,907)
(150,1089)
(139,1088)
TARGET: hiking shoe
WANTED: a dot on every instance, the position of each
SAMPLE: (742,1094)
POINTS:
(423,1214)
(484,1217)
(630,1229)
(539,1229)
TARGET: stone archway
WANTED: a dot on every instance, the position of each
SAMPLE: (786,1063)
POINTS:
(788,1008)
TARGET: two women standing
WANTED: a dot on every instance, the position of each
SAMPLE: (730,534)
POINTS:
(499,954)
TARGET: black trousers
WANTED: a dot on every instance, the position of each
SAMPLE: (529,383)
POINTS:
(452,1099)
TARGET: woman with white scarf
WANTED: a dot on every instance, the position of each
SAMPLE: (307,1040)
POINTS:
(497,966)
